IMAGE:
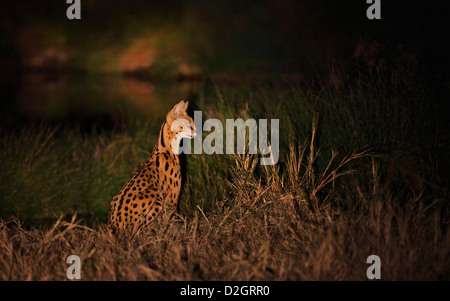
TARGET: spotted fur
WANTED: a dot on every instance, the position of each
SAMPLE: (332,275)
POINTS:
(156,186)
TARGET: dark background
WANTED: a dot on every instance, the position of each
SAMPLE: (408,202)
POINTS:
(248,33)
(50,64)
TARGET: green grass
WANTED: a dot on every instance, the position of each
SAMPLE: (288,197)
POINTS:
(60,171)
(357,176)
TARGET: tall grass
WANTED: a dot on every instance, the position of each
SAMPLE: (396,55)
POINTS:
(53,171)
(277,230)
(348,185)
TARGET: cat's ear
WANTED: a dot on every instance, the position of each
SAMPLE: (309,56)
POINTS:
(177,111)
(186,104)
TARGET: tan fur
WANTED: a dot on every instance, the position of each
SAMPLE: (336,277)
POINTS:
(156,186)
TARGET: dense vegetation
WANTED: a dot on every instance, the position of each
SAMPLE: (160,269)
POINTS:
(361,172)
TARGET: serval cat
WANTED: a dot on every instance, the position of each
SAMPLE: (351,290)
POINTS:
(156,186)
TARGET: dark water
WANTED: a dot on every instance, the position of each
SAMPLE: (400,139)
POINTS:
(87,101)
